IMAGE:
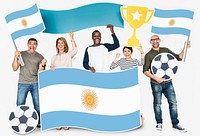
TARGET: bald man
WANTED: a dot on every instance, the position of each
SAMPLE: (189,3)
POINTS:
(161,86)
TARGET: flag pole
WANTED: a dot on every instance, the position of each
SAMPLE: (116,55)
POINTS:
(20,57)
(186,48)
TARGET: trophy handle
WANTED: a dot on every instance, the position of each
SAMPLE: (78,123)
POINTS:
(152,11)
(122,13)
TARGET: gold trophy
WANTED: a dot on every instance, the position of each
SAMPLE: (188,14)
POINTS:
(136,17)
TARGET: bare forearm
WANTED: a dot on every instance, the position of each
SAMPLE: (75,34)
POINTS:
(148,74)
(15,64)
(181,53)
(42,66)
(73,44)
(186,45)
(159,80)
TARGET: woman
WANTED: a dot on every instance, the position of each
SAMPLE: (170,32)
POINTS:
(127,62)
(63,58)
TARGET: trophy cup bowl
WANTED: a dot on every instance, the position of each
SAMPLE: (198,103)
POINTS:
(135,23)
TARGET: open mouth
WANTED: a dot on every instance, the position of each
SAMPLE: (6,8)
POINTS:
(97,41)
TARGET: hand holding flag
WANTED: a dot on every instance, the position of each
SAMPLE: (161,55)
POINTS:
(24,22)
(177,21)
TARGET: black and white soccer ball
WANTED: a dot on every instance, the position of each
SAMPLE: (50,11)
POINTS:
(23,119)
(164,65)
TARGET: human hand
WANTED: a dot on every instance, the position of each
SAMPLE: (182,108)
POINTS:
(111,28)
(117,55)
(187,44)
(44,61)
(160,80)
(71,35)
(17,54)
(92,69)
(140,49)
(52,67)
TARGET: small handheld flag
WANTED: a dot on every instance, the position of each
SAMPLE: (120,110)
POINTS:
(24,22)
(177,21)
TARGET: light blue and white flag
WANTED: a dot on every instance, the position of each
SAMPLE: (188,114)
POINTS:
(108,102)
(25,22)
(177,21)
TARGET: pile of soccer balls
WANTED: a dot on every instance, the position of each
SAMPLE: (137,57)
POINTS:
(23,119)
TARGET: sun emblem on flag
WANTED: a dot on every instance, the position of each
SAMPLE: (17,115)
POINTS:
(171,22)
(89,99)
(24,22)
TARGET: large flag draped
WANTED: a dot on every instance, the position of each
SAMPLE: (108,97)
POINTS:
(25,22)
(98,14)
(177,21)
(96,101)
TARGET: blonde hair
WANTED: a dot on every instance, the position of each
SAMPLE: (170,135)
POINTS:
(66,48)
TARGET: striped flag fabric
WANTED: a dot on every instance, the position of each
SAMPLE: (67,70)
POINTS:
(176,21)
(106,102)
(25,22)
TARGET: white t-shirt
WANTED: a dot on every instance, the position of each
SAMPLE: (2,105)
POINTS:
(98,56)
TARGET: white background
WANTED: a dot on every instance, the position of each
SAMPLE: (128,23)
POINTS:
(185,82)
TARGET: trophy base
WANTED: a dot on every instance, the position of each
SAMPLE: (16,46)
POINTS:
(133,42)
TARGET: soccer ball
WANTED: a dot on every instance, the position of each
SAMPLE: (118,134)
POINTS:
(23,119)
(164,65)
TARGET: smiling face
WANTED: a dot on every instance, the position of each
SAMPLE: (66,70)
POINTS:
(127,52)
(61,45)
(96,36)
(155,41)
(32,45)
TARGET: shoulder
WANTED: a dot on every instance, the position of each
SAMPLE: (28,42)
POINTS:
(39,55)
(122,59)
(86,49)
(90,46)
(54,55)
(148,53)
(164,48)
(24,52)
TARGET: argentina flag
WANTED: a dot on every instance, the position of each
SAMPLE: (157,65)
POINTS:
(106,102)
(177,21)
(25,22)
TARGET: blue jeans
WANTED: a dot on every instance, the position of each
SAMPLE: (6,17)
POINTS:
(167,89)
(22,93)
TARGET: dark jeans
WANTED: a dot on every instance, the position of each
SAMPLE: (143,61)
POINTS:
(167,89)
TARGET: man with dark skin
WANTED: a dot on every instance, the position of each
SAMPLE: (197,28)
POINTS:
(96,55)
